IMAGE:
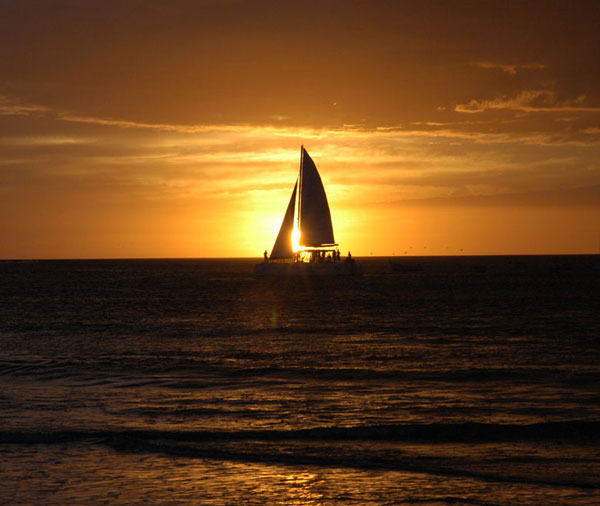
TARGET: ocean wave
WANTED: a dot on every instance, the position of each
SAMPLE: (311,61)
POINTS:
(191,373)
(468,432)
(363,447)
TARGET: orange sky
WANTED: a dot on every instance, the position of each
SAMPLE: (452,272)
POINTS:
(173,129)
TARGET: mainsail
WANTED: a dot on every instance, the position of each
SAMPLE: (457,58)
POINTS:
(283,244)
(314,217)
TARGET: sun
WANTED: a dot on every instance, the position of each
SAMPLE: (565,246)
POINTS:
(296,238)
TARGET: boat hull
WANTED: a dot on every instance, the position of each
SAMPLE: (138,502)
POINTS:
(308,269)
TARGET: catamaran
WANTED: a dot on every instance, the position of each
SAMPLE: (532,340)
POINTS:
(305,243)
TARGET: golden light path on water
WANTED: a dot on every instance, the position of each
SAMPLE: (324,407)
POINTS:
(120,476)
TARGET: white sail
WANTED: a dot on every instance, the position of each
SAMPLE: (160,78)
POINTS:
(283,247)
(314,216)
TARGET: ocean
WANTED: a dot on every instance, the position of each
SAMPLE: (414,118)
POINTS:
(428,380)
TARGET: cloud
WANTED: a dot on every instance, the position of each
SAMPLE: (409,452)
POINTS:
(468,131)
(587,197)
(437,130)
(528,101)
(43,140)
(11,107)
(510,68)
(165,127)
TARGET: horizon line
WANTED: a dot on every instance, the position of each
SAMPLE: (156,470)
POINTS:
(260,258)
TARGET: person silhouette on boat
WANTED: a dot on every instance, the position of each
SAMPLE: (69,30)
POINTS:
(349,258)
(266,255)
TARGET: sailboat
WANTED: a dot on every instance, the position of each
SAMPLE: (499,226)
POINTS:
(305,244)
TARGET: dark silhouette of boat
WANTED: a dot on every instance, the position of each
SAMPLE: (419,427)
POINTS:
(305,244)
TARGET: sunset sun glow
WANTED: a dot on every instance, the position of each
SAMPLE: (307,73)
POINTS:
(308,252)
(154,141)
(296,239)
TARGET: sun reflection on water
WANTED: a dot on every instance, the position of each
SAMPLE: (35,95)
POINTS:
(301,488)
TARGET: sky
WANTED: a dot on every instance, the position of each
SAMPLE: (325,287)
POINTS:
(152,129)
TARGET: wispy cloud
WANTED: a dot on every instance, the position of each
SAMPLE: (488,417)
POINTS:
(438,130)
(349,133)
(12,107)
(43,140)
(470,131)
(528,101)
(164,127)
(511,69)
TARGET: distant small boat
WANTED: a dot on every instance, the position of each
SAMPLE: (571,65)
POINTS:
(405,267)
(305,244)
